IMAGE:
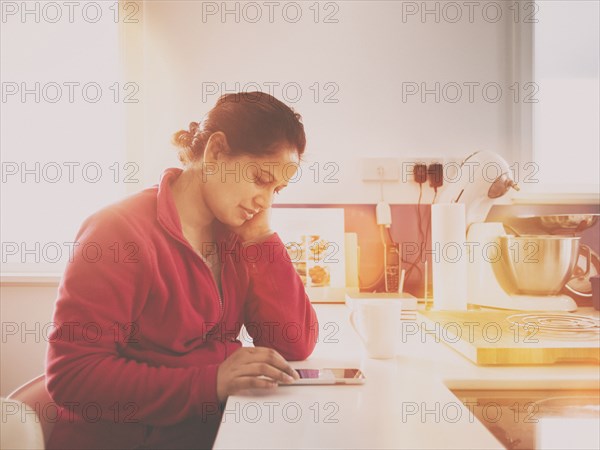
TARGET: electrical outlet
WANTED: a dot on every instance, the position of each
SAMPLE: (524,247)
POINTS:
(407,166)
(380,169)
(394,169)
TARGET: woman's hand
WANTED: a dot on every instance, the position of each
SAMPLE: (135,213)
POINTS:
(255,228)
(242,369)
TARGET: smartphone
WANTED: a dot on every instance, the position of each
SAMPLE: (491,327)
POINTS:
(329,376)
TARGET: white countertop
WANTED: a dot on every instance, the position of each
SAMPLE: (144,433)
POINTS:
(406,402)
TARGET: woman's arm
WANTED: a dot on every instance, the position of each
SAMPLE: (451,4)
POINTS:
(278,313)
(103,290)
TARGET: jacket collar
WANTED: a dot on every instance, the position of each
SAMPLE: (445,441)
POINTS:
(168,217)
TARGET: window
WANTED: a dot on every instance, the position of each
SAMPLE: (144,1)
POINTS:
(566,118)
(62,127)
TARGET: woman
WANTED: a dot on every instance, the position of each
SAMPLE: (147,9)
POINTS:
(145,349)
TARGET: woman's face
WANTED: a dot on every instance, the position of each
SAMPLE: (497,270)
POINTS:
(235,188)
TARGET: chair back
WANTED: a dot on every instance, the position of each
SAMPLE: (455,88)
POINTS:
(36,397)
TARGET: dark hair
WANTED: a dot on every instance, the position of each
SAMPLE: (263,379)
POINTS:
(254,123)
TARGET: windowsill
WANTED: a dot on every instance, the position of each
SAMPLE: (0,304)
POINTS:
(549,198)
(30,279)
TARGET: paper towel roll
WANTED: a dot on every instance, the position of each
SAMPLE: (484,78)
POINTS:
(449,256)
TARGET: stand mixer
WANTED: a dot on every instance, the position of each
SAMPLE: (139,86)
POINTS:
(491,273)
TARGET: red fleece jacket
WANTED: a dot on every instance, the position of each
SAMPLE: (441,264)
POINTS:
(141,328)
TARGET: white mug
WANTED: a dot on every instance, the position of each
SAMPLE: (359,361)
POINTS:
(377,323)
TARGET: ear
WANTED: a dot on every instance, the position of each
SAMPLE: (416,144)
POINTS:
(217,147)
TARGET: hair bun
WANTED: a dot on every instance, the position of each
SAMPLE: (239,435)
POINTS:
(182,139)
(187,141)
(193,128)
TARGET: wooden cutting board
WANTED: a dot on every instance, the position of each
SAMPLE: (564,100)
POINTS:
(488,338)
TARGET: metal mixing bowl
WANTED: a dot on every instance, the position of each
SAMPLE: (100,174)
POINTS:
(538,264)
(563,224)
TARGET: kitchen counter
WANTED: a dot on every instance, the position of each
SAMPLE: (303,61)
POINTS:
(406,402)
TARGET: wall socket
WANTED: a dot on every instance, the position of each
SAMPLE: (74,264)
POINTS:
(401,169)
(407,165)
(380,169)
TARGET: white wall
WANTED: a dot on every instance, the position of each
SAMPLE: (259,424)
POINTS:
(368,54)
